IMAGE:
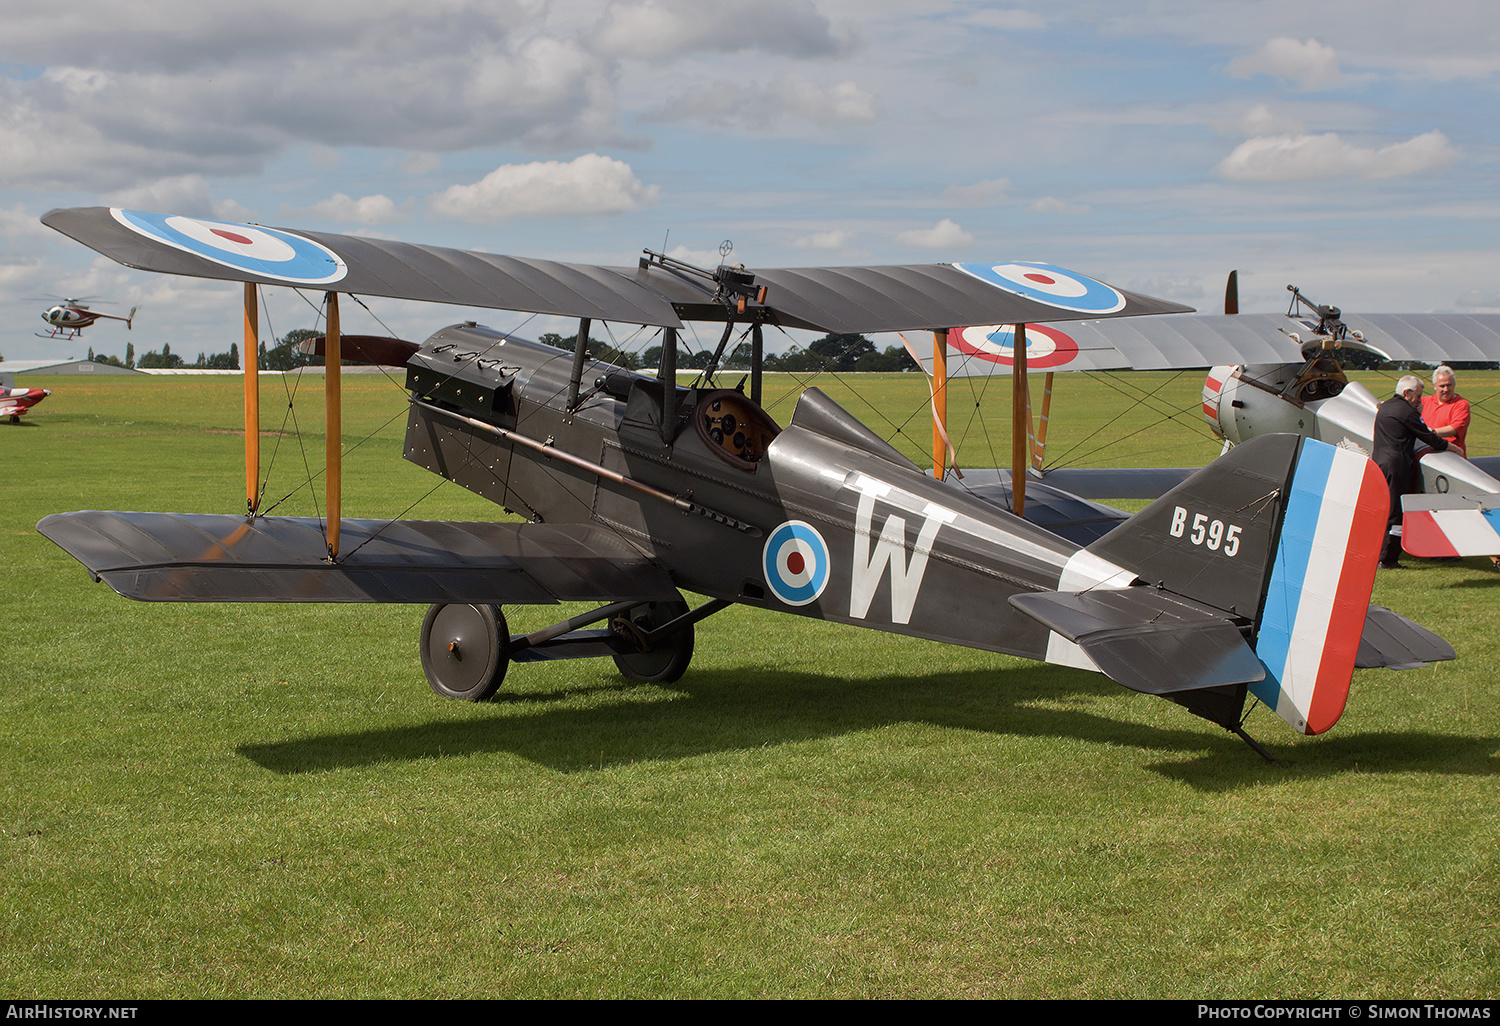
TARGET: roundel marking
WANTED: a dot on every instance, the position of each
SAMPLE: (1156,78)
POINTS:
(1049,284)
(795,561)
(266,252)
(1046,347)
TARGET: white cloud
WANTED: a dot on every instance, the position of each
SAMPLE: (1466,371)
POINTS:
(1307,62)
(759,107)
(654,29)
(699,257)
(324,158)
(1290,158)
(943,235)
(1053,205)
(20,223)
(179,194)
(1007,21)
(376,209)
(979,194)
(1480,300)
(140,91)
(1261,120)
(590,184)
(418,164)
(832,239)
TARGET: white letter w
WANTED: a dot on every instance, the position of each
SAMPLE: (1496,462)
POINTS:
(906,578)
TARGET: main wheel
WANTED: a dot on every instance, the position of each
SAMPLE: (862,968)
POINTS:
(669,659)
(465,650)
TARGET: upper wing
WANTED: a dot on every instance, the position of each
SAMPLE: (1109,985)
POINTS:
(186,557)
(1151,343)
(370,267)
(840,300)
(1208,340)
(1431,338)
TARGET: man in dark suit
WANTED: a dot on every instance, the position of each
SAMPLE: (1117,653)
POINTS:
(1398,425)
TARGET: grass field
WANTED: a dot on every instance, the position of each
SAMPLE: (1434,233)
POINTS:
(268,801)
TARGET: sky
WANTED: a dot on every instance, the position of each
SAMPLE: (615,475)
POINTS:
(1350,147)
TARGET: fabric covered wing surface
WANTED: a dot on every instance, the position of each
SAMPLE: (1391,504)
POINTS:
(184,557)
(378,267)
(835,299)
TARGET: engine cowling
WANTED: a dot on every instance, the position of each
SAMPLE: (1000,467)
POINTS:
(1213,386)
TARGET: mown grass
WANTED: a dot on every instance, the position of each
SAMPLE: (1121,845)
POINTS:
(267,801)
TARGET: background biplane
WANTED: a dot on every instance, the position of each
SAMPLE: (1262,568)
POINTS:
(1251,577)
(1267,373)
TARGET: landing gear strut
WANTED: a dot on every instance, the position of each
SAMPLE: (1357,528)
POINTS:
(466,649)
(668,658)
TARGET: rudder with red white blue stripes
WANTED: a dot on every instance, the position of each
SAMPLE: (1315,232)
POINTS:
(1319,592)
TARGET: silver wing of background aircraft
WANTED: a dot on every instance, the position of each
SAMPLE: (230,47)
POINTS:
(1211,340)
(1267,373)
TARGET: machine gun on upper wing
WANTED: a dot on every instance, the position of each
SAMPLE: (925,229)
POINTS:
(635,487)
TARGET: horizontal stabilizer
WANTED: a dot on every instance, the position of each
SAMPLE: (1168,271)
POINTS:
(1061,512)
(1091,482)
(1147,639)
(1392,641)
(188,557)
(1450,525)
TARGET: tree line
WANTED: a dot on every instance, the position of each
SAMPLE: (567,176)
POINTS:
(280,355)
(838,353)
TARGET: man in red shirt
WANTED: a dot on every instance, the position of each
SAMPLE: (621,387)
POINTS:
(1445,412)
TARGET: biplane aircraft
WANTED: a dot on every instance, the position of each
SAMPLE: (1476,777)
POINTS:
(1267,373)
(1251,577)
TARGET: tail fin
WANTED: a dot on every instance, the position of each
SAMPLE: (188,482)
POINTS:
(1283,533)
(1318,597)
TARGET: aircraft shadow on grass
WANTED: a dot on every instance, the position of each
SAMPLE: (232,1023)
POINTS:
(1488,581)
(728,711)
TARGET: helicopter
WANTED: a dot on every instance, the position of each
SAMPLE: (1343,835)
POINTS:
(1252,577)
(69,317)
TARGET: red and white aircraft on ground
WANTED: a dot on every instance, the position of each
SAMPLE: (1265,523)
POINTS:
(16,401)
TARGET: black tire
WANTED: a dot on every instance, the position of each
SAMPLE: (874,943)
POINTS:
(465,651)
(669,659)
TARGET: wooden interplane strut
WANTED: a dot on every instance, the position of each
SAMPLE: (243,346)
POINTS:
(1020,422)
(251,363)
(332,383)
(939,403)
